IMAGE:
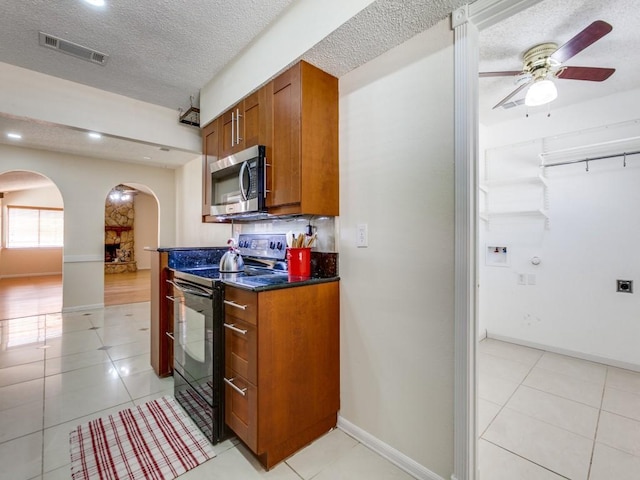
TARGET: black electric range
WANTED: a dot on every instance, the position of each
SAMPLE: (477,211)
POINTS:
(198,331)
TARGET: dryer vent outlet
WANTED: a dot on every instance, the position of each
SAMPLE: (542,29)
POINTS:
(624,286)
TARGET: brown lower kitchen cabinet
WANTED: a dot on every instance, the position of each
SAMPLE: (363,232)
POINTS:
(282,367)
(161,315)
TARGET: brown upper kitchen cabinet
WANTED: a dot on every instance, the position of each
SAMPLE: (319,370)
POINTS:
(244,125)
(302,171)
(295,117)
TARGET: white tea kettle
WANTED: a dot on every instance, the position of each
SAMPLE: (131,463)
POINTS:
(231,261)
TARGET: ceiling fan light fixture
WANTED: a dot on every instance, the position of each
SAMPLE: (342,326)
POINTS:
(540,93)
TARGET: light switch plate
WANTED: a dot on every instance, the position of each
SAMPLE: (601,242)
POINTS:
(362,235)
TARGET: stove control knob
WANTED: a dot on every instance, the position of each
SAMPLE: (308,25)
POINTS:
(272,245)
(279,245)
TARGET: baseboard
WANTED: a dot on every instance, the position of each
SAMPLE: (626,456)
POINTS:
(23,275)
(399,459)
(564,351)
(81,308)
(482,335)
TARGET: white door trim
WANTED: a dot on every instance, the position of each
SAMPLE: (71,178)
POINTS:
(467,22)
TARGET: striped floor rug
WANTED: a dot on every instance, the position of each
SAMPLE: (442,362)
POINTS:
(151,441)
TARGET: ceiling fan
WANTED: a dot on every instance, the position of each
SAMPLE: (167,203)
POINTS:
(545,61)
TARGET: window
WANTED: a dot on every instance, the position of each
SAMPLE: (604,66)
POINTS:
(29,227)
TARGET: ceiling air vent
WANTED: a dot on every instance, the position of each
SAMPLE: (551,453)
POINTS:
(71,48)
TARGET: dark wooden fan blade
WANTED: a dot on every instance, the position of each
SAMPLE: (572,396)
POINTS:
(511,95)
(592,74)
(582,40)
(504,73)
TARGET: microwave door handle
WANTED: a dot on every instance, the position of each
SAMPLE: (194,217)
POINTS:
(243,190)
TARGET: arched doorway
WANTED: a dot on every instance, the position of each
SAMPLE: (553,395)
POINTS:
(31,232)
(131,230)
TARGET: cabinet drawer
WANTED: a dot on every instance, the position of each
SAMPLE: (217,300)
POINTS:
(241,409)
(241,347)
(241,304)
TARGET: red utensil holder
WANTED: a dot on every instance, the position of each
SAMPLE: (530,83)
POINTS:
(299,262)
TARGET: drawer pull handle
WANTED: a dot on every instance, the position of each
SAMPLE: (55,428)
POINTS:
(173,299)
(170,335)
(231,326)
(241,391)
(235,305)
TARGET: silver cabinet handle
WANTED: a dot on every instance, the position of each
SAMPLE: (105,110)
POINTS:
(233,119)
(231,326)
(238,137)
(170,335)
(241,391)
(235,305)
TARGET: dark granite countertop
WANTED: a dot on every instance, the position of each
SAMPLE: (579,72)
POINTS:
(324,268)
(182,249)
(260,283)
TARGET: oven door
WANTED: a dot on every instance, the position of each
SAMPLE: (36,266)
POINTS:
(199,354)
(193,333)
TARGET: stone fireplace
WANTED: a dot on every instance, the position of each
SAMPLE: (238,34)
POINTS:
(118,231)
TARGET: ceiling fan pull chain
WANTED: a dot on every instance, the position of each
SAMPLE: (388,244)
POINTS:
(624,159)
(587,163)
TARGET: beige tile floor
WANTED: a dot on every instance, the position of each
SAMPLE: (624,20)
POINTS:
(56,374)
(543,416)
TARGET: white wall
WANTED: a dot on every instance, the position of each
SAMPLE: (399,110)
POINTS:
(17,262)
(190,231)
(306,21)
(396,175)
(37,96)
(84,184)
(591,240)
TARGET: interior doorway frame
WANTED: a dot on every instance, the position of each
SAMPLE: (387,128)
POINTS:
(467,22)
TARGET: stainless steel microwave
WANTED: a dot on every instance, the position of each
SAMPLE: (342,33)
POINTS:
(238,182)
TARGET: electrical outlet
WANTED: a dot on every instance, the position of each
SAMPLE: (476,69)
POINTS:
(624,286)
(531,279)
(522,279)
(362,235)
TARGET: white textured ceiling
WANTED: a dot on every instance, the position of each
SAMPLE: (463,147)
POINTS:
(502,46)
(160,51)
(376,29)
(164,51)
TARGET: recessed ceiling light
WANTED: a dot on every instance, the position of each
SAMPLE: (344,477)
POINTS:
(147,158)
(95,3)
(15,136)
(95,135)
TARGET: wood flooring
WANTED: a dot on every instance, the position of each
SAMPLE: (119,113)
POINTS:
(28,296)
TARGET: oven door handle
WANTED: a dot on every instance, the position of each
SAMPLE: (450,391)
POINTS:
(192,289)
